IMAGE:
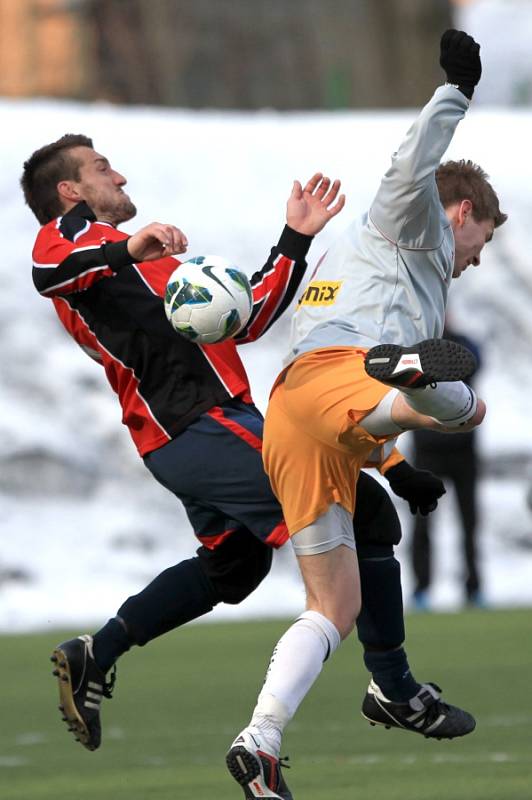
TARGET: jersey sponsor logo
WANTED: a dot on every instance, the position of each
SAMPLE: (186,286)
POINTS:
(320,293)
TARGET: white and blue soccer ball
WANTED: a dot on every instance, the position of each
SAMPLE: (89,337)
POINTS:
(208,299)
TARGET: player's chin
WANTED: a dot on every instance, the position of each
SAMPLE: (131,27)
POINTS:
(125,211)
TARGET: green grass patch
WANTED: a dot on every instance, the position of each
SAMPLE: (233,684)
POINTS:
(181,700)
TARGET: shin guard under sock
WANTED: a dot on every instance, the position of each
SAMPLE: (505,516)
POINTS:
(380,625)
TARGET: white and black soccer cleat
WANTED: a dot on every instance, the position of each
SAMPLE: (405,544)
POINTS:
(428,362)
(82,685)
(255,768)
(425,713)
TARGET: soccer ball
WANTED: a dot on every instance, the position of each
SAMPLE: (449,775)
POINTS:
(208,299)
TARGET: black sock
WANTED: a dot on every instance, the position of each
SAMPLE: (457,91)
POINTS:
(391,673)
(109,643)
(380,625)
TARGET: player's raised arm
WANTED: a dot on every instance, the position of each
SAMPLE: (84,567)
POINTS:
(406,207)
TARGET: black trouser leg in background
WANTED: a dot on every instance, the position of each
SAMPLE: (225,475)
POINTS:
(421,553)
(464,476)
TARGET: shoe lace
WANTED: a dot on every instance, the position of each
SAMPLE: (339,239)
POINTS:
(109,685)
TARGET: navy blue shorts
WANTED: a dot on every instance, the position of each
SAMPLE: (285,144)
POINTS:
(215,468)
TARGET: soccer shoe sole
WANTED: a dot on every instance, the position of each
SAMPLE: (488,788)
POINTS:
(246,770)
(431,361)
(389,725)
(67,706)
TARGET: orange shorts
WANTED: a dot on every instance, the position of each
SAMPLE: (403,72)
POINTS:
(314,446)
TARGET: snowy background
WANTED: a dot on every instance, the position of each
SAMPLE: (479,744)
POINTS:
(82,524)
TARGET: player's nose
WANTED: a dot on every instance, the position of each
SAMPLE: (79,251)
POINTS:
(119,179)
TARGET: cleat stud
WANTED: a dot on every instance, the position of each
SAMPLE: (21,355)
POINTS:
(55,672)
(65,719)
(387,727)
(61,708)
(62,664)
(372,724)
(54,659)
(64,678)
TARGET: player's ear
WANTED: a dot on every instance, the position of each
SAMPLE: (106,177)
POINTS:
(67,190)
(465,210)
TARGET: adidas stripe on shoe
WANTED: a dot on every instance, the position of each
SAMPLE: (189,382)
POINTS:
(82,685)
(427,362)
(425,713)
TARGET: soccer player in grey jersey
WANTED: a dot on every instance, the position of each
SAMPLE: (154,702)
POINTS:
(367,362)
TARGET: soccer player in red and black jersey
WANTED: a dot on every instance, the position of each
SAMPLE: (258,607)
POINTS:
(190,413)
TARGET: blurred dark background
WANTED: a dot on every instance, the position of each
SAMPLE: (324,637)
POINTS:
(246,54)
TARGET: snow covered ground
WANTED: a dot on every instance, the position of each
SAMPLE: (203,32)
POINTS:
(82,525)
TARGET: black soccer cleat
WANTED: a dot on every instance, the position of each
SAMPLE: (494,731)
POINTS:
(425,713)
(82,685)
(256,770)
(424,363)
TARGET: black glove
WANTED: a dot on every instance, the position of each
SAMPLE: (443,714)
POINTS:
(460,60)
(419,487)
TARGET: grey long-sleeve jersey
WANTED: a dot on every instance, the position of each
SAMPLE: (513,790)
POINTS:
(386,279)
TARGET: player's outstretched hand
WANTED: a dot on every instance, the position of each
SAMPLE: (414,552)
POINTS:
(155,241)
(460,60)
(310,208)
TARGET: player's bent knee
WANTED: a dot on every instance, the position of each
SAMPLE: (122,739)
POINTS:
(237,567)
(480,413)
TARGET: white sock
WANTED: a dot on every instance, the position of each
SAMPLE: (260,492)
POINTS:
(295,664)
(450,402)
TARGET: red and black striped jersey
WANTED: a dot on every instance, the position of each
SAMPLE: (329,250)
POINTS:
(114,310)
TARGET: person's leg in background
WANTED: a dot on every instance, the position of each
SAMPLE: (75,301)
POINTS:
(421,559)
(464,475)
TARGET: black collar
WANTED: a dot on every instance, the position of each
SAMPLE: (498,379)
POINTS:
(81,210)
